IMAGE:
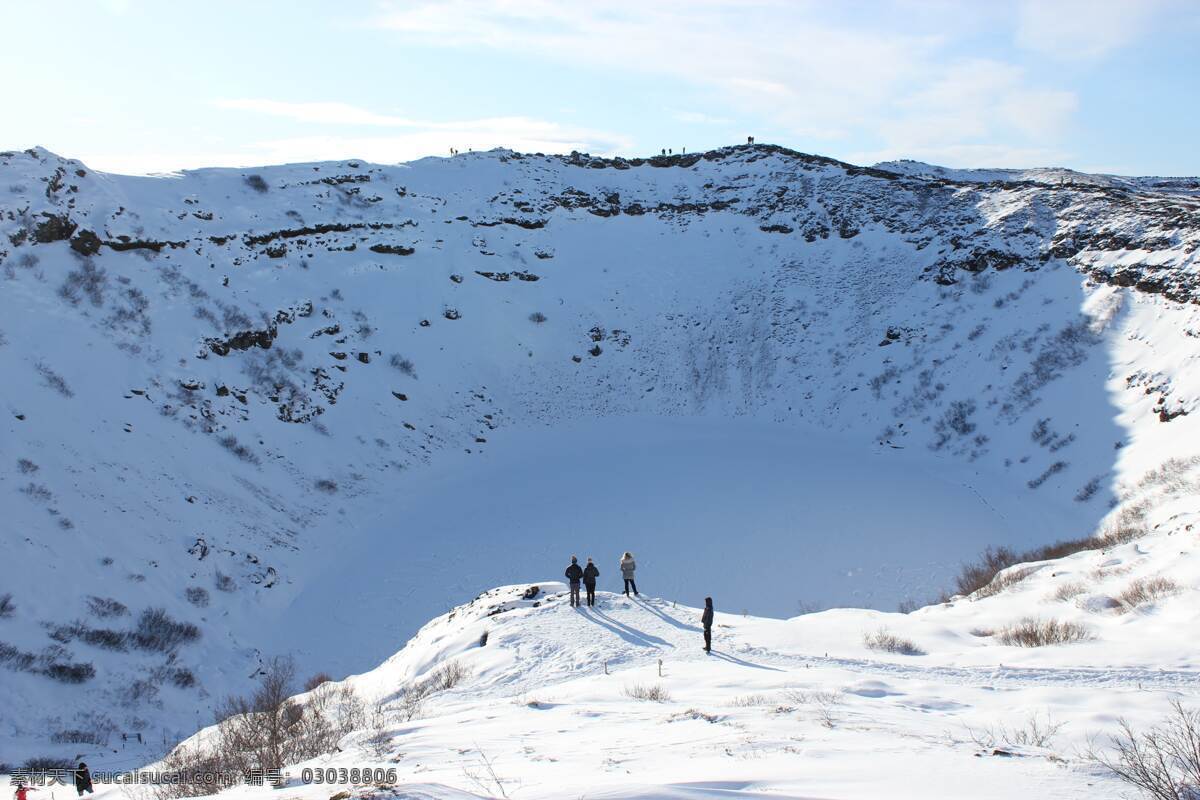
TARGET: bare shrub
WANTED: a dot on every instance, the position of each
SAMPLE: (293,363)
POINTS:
(7,606)
(256,183)
(885,641)
(1004,580)
(974,576)
(327,486)
(158,632)
(1033,632)
(200,772)
(537,317)
(69,672)
(750,700)
(197,596)
(38,492)
(694,714)
(1069,591)
(1163,761)
(404,365)
(1146,590)
(77,736)
(378,741)
(258,731)
(447,676)
(656,693)
(412,703)
(26,467)
(53,380)
(47,764)
(1034,732)
(183,678)
(224,582)
(1050,471)
(88,281)
(485,779)
(317,680)
(231,444)
(105,638)
(823,703)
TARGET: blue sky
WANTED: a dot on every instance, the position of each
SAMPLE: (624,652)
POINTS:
(141,86)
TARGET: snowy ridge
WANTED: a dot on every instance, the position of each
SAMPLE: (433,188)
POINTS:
(312,404)
(785,708)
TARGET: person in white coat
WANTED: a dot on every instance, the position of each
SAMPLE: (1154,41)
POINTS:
(628,565)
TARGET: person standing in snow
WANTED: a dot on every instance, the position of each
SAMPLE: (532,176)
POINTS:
(574,574)
(22,792)
(706,619)
(83,779)
(627,568)
(590,573)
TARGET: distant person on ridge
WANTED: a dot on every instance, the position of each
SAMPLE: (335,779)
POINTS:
(574,575)
(590,573)
(83,779)
(628,565)
(706,619)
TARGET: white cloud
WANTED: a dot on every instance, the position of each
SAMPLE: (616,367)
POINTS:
(1084,29)
(517,133)
(700,118)
(819,71)
(964,156)
(322,113)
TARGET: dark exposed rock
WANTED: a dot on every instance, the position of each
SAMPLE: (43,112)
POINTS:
(123,243)
(53,228)
(243,340)
(393,249)
(86,243)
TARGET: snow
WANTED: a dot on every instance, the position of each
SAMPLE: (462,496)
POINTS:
(783,420)
(782,708)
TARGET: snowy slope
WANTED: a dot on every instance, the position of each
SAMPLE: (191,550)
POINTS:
(314,404)
(782,708)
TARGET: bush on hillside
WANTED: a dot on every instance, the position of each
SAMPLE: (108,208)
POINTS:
(1033,632)
(1163,761)
(157,631)
(885,641)
(1146,590)
(655,693)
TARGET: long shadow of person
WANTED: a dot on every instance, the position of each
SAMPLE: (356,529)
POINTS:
(665,617)
(631,635)
(734,660)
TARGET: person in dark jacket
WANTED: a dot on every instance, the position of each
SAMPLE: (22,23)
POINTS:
(574,574)
(706,619)
(590,573)
(83,779)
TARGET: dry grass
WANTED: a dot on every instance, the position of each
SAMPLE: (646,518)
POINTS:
(823,704)
(1068,591)
(656,693)
(888,642)
(1175,477)
(1144,591)
(1004,580)
(1033,632)
(750,700)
